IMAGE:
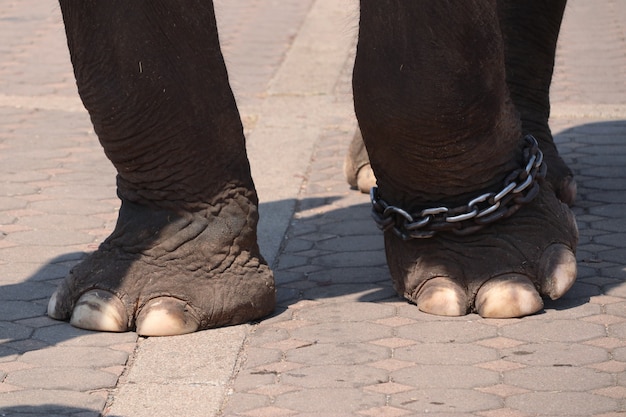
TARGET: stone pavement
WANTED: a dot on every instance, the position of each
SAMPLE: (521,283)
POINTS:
(341,342)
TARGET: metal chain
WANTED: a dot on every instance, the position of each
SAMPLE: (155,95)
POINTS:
(520,187)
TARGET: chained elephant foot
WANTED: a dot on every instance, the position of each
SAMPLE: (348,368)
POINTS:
(167,273)
(500,271)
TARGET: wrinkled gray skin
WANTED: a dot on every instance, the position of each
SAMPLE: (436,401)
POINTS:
(443,91)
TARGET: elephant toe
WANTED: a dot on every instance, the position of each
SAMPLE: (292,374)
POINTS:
(166,316)
(443,297)
(557,270)
(567,190)
(99,310)
(366,179)
(54,308)
(507,296)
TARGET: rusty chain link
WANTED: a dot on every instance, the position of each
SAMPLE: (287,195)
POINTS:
(520,187)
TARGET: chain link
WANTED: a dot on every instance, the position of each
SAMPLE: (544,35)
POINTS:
(520,187)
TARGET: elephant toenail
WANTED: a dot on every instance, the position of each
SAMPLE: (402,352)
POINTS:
(508,296)
(443,297)
(166,316)
(557,270)
(100,310)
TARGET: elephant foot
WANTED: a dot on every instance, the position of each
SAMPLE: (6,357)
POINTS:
(162,272)
(500,271)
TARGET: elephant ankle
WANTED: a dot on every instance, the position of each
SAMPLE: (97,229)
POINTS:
(205,238)
(477,210)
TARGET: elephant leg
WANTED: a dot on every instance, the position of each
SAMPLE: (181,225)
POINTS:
(183,255)
(530,30)
(442,131)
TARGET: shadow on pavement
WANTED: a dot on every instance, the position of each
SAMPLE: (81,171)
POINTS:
(49,410)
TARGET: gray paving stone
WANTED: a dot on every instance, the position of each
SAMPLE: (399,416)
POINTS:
(263,335)
(445,401)
(450,354)
(257,357)
(553,331)
(447,331)
(342,332)
(79,357)
(42,253)
(349,275)
(347,311)
(62,334)
(71,206)
(12,203)
(248,380)
(49,402)
(346,292)
(330,400)
(617,309)
(352,244)
(245,402)
(344,354)
(558,378)
(618,330)
(562,403)
(334,376)
(26,291)
(16,310)
(49,237)
(25,345)
(450,377)
(555,354)
(57,378)
(151,399)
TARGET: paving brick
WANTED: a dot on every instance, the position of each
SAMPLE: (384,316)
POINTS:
(555,353)
(452,354)
(347,311)
(444,331)
(558,377)
(334,376)
(62,379)
(48,402)
(62,334)
(342,332)
(562,403)
(347,275)
(452,376)
(448,401)
(344,354)
(553,331)
(330,400)
(83,357)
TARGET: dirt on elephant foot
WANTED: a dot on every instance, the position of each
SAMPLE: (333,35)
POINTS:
(501,271)
(164,273)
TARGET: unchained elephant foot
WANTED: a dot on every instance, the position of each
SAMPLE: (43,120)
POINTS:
(163,273)
(501,271)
